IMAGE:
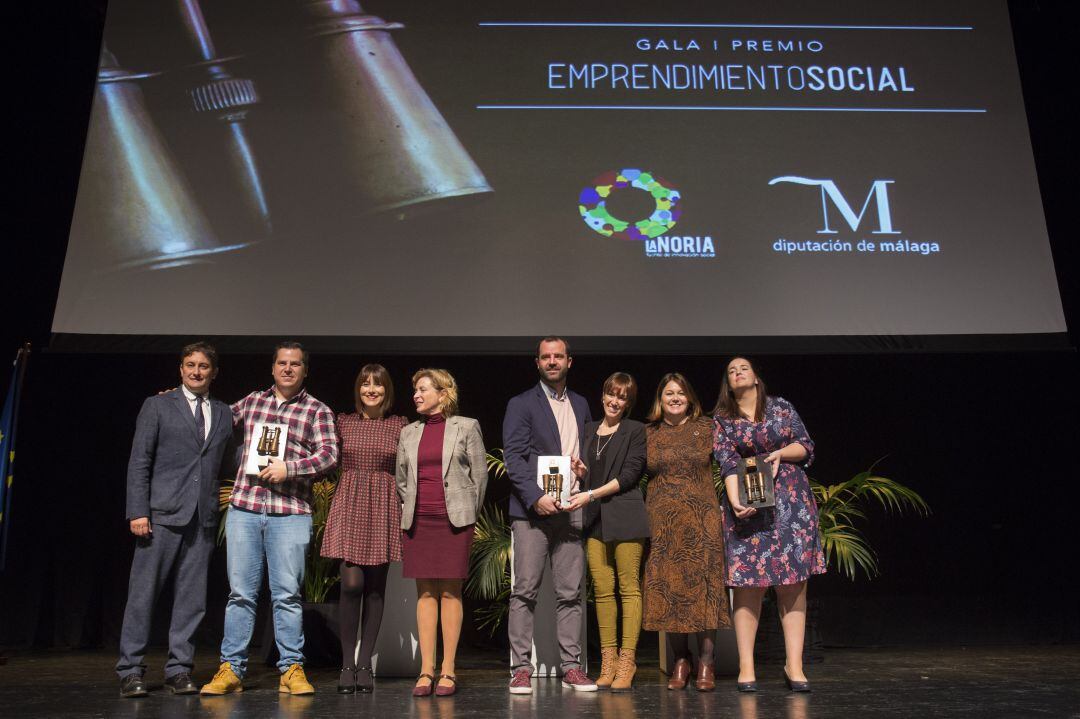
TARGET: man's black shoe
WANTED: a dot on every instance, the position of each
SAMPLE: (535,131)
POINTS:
(181,684)
(132,686)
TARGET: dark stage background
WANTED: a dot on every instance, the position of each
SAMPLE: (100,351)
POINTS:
(988,439)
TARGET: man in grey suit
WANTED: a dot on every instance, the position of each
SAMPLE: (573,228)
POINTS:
(546,419)
(181,438)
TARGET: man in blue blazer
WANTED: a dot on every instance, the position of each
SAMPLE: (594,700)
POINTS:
(547,419)
(181,440)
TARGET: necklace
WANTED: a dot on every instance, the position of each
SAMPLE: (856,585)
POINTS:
(601,447)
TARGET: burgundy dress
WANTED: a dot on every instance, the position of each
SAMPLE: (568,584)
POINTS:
(432,547)
(364,523)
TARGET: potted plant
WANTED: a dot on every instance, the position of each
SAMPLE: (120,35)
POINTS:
(489,559)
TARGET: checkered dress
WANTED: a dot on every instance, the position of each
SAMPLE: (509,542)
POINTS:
(364,525)
(311,451)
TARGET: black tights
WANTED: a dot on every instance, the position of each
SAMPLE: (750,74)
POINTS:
(360,584)
(678,647)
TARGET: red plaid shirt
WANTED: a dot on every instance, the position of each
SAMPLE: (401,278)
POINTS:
(311,450)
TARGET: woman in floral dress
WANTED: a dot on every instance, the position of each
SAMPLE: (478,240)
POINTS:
(363,528)
(778,546)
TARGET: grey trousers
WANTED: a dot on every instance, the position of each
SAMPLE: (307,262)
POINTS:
(183,552)
(536,542)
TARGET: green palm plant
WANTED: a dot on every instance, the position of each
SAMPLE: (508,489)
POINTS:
(489,569)
(319,575)
(842,506)
(489,560)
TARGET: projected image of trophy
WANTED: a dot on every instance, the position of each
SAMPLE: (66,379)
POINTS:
(135,209)
(756,488)
(382,144)
(216,92)
(267,442)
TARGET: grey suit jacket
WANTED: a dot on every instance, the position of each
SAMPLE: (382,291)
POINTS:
(464,470)
(172,472)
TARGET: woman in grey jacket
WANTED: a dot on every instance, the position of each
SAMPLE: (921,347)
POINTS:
(441,477)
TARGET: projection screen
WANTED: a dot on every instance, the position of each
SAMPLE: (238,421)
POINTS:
(436,175)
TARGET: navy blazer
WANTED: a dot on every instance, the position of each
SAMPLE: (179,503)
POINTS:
(172,473)
(530,431)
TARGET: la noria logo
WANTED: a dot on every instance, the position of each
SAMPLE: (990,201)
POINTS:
(592,204)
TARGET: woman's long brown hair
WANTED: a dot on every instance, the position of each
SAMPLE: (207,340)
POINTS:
(726,406)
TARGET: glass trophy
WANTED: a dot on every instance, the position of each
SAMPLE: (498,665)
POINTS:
(554,477)
(553,482)
(268,444)
(756,482)
(268,441)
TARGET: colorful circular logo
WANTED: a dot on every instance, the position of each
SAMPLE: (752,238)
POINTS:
(592,203)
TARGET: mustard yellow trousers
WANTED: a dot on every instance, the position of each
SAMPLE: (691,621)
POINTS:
(606,561)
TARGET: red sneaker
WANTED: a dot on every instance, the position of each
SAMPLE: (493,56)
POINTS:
(578,681)
(521,683)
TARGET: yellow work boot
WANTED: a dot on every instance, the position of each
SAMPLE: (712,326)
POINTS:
(224,682)
(624,671)
(293,681)
(608,657)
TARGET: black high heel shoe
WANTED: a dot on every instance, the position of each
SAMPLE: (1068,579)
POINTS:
(746,687)
(346,683)
(797,687)
(365,680)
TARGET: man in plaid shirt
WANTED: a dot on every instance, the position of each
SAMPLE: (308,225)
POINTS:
(270,520)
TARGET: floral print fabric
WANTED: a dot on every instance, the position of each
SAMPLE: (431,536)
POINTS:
(778,545)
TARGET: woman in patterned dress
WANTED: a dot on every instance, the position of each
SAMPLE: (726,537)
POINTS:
(684,575)
(776,547)
(363,526)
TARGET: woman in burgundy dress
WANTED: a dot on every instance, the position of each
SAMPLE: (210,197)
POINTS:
(362,529)
(441,477)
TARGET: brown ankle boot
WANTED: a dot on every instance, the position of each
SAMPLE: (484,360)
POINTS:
(705,681)
(680,673)
(608,658)
(624,672)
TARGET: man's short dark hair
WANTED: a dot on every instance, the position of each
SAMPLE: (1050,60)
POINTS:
(290,345)
(205,347)
(553,338)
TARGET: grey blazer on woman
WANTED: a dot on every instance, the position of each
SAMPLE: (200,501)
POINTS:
(464,465)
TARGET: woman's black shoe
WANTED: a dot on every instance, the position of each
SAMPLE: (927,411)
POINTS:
(746,687)
(346,683)
(799,687)
(365,682)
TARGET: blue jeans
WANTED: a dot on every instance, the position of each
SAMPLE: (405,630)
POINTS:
(283,541)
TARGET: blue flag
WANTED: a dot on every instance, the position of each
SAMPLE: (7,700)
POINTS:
(7,451)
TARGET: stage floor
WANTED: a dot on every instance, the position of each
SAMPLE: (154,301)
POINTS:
(974,682)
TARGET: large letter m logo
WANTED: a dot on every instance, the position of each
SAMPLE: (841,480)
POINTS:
(879,191)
